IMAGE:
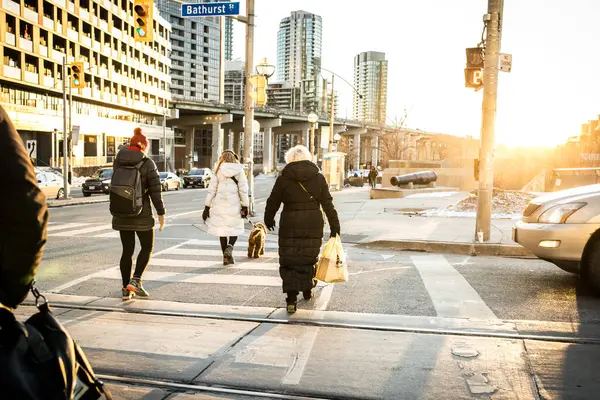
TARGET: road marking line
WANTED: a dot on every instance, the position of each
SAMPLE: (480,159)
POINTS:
(82,231)
(451,294)
(213,252)
(220,279)
(307,342)
(77,281)
(57,227)
(244,265)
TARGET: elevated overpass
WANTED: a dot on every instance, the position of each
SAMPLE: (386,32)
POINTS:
(225,123)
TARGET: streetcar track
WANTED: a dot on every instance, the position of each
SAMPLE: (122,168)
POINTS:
(330,324)
(221,389)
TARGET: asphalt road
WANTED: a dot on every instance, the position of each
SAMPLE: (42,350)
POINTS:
(82,255)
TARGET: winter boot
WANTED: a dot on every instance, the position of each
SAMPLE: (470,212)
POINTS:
(291,302)
(228,256)
(135,286)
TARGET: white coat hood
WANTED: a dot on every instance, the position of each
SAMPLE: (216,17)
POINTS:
(230,169)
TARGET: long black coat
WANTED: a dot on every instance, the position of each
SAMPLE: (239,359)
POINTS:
(151,187)
(301,223)
(23,217)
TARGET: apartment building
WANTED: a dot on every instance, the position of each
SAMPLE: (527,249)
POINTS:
(126,83)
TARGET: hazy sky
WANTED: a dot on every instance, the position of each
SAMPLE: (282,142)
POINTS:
(552,89)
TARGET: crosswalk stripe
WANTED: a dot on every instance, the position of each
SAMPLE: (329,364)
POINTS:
(213,252)
(113,234)
(82,231)
(57,227)
(247,265)
(199,242)
(174,277)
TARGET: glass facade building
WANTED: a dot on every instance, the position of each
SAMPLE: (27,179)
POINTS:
(370,78)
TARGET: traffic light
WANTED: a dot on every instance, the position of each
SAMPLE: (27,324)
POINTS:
(474,69)
(77,75)
(143,20)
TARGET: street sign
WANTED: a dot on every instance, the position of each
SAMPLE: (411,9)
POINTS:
(210,9)
(31,146)
(75,134)
(505,62)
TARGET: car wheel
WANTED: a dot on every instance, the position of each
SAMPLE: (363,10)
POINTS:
(185,186)
(86,194)
(590,272)
(61,193)
(166,187)
(178,186)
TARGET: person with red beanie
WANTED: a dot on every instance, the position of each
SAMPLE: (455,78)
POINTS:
(141,224)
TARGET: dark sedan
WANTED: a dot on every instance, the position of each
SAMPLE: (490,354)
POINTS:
(99,183)
(197,177)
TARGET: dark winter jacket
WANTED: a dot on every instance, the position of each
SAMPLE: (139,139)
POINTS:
(301,222)
(151,186)
(23,217)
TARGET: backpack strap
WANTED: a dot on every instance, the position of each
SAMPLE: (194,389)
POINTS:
(235,180)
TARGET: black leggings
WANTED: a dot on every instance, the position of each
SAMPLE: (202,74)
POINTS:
(128,241)
(223,239)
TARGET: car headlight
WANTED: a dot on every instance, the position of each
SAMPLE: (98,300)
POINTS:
(560,213)
(106,182)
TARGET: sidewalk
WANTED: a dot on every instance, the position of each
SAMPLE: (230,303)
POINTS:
(75,201)
(397,224)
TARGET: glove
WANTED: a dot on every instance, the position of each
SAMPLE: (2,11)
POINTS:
(206,213)
(271,226)
(244,212)
(161,222)
(334,234)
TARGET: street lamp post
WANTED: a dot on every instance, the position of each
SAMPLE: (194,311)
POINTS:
(312,118)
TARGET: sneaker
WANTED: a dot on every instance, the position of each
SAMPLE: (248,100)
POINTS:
(135,286)
(228,255)
(127,295)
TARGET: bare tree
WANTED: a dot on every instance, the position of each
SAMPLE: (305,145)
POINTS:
(347,145)
(393,139)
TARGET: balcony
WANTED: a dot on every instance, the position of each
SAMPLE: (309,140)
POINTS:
(49,81)
(104,25)
(59,27)
(106,51)
(87,41)
(58,56)
(73,35)
(32,77)
(115,55)
(116,77)
(43,50)
(117,33)
(104,72)
(61,3)
(48,23)
(97,46)
(11,6)
(85,14)
(11,39)
(94,20)
(86,91)
(26,44)
(12,72)
(31,15)
(72,7)
(107,4)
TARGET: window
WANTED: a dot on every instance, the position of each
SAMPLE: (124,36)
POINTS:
(155,147)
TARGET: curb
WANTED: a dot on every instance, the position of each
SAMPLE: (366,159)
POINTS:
(473,249)
(62,203)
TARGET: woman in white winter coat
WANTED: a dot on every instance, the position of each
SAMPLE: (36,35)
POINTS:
(226,203)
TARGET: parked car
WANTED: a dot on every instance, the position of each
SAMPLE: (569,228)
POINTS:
(169,180)
(99,182)
(197,177)
(564,229)
(51,184)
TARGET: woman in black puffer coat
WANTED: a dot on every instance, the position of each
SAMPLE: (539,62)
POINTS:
(303,191)
(141,225)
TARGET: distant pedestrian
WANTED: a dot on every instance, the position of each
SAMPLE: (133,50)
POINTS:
(135,194)
(373,177)
(303,191)
(226,203)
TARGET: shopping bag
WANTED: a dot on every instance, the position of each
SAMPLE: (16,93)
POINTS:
(332,265)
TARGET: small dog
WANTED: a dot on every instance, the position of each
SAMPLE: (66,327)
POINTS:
(256,241)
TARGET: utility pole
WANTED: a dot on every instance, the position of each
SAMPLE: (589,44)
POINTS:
(331,118)
(164,128)
(70,141)
(488,120)
(221,60)
(65,147)
(249,104)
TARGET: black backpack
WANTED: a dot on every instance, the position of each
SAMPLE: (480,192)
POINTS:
(126,192)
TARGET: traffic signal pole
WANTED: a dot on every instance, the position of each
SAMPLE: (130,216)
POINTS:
(249,105)
(490,93)
(65,147)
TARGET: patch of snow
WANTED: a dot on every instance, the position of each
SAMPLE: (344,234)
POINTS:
(430,195)
(478,384)
(462,349)
(466,214)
